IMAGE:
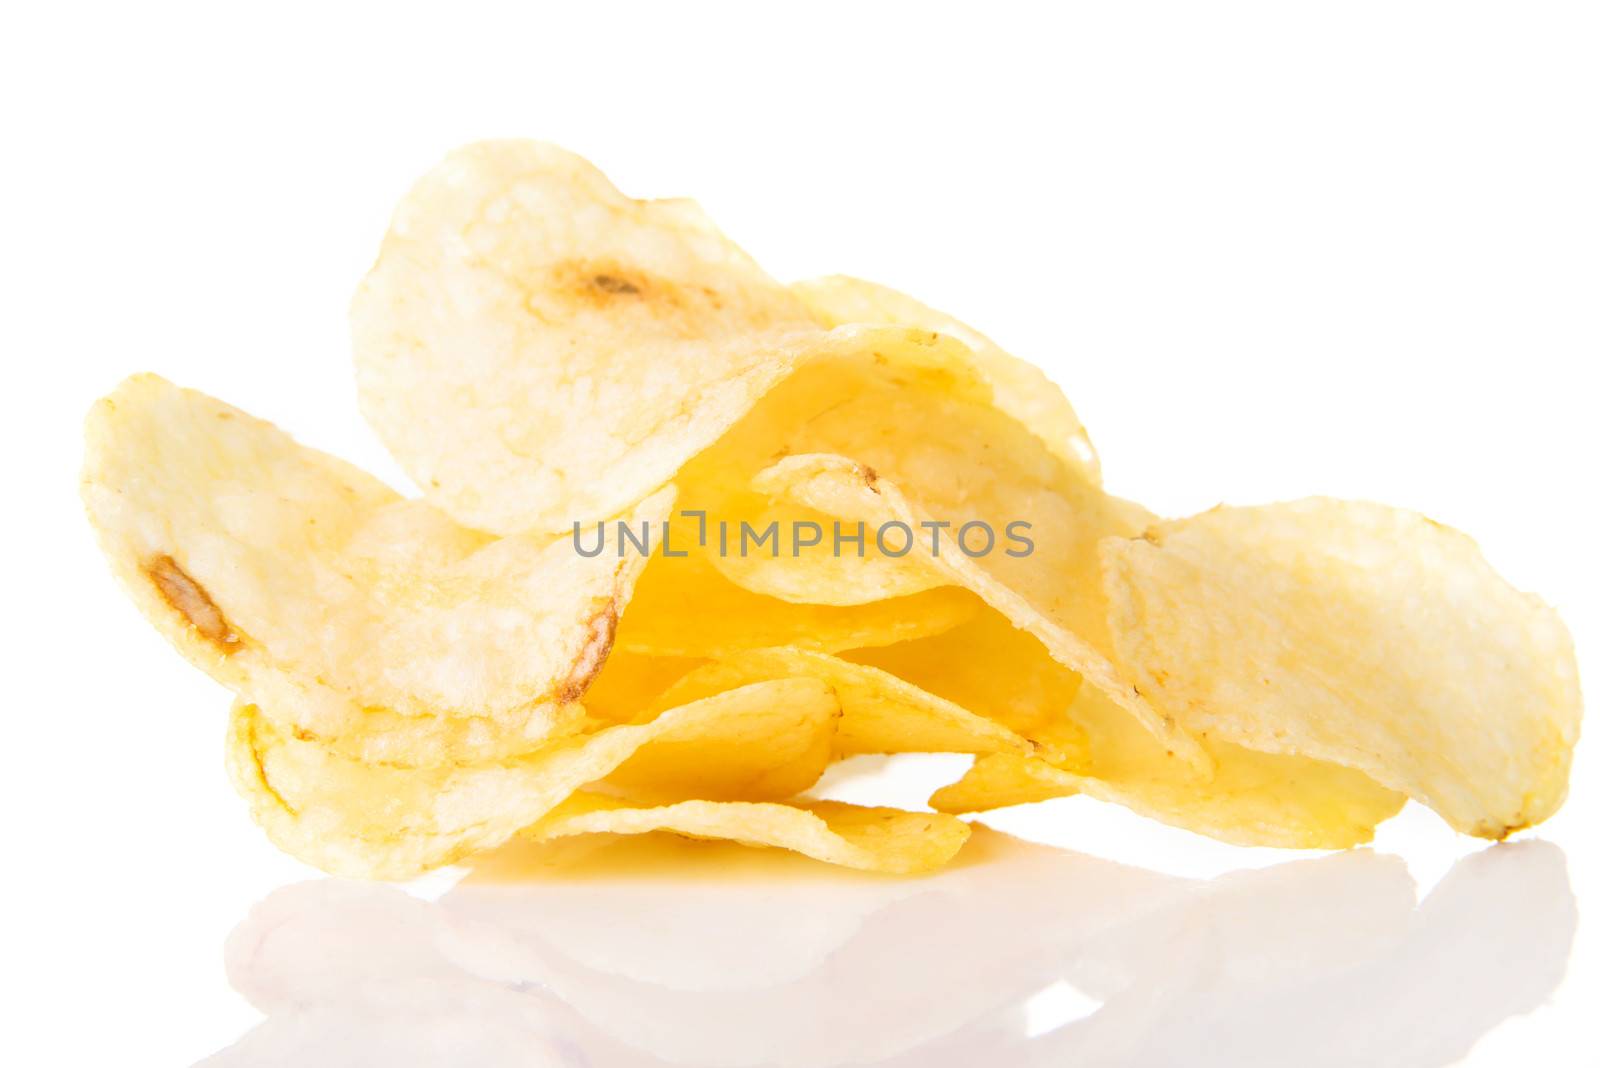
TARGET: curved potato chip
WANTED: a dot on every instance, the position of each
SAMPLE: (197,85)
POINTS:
(537,349)
(373,623)
(989,666)
(372,821)
(1021,390)
(1251,798)
(1359,634)
(684,608)
(1048,592)
(813,573)
(880,713)
(868,839)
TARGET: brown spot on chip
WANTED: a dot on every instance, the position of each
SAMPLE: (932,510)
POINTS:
(190,600)
(592,656)
(611,283)
(869,475)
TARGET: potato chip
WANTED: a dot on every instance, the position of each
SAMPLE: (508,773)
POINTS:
(880,713)
(1358,634)
(1251,798)
(885,840)
(371,622)
(685,608)
(1020,389)
(1048,592)
(374,821)
(537,349)
(989,666)
(806,569)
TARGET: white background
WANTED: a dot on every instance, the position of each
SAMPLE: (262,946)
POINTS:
(1268,249)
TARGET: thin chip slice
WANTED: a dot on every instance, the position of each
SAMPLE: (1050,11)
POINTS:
(1251,798)
(537,349)
(373,623)
(884,840)
(989,666)
(1047,591)
(685,608)
(880,713)
(1359,634)
(1021,390)
(370,821)
(808,562)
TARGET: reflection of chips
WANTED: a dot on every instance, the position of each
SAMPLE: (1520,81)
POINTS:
(880,713)
(871,839)
(366,820)
(1251,798)
(685,608)
(301,583)
(1359,634)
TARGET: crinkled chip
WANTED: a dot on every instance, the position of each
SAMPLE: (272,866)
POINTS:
(1358,634)
(375,821)
(373,623)
(1251,798)
(880,713)
(885,840)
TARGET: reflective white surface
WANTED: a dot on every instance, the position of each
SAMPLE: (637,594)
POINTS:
(659,950)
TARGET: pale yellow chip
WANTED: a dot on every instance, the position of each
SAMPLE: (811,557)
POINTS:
(1251,798)
(370,622)
(885,840)
(685,608)
(370,821)
(880,712)
(1020,389)
(537,349)
(1359,634)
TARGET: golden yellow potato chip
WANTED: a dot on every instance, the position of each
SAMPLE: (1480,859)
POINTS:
(803,567)
(1021,390)
(373,623)
(376,821)
(1358,634)
(1251,798)
(537,349)
(1050,591)
(880,713)
(869,839)
(685,608)
(989,666)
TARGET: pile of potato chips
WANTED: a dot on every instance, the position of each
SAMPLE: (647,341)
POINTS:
(422,679)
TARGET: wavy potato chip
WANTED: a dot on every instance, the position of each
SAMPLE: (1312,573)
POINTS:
(1359,634)
(1050,592)
(884,840)
(374,821)
(373,623)
(1020,389)
(537,349)
(879,712)
(1251,798)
